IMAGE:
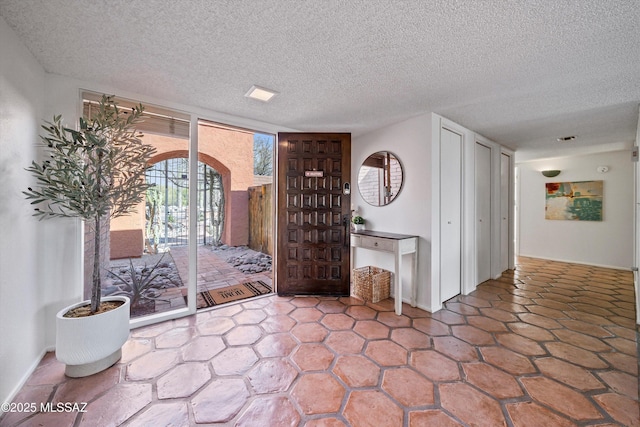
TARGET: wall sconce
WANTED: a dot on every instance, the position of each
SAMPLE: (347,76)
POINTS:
(551,173)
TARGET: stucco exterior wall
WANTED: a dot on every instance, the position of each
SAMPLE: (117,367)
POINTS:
(230,152)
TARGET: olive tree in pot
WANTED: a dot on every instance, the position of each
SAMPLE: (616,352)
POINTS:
(94,173)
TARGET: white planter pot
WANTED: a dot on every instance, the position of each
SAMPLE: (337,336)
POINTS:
(91,344)
(358,227)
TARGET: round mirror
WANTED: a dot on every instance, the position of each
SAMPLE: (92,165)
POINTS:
(380,178)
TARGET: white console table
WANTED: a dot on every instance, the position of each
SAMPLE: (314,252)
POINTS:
(399,245)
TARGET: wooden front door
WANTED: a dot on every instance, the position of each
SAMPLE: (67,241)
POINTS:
(313,212)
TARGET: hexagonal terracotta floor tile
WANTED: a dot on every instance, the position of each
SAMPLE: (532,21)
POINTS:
(392,320)
(520,344)
(225,311)
(309,332)
(135,348)
(277,323)
(622,345)
(448,317)
(215,326)
(431,418)
(435,366)
(586,342)
(530,331)
(318,393)
(371,329)
(499,315)
(175,337)
(575,355)
(431,326)
(152,330)
(357,371)
(561,398)
(219,401)
(234,361)
(386,353)
(331,306)
(338,321)
(411,339)
(472,335)
(345,342)
(270,411)
(622,383)
(525,414)
(244,335)
(304,301)
(277,345)
(454,348)
(306,314)
(312,357)
(507,360)
(487,324)
(474,301)
(460,308)
(624,410)
(471,406)
(118,404)
(325,422)
(492,380)
(84,389)
(622,361)
(372,408)
(408,387)
(183,380)
(152,365)
(568,373)
(279,307)
(272,375)
(250,317)
(172,414)
(202,348)
(361,312)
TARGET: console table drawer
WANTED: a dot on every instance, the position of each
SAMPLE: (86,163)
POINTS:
(377,244)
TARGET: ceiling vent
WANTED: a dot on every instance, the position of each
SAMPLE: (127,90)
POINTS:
(566,138)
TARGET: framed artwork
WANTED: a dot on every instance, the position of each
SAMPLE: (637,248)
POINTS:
(575,201)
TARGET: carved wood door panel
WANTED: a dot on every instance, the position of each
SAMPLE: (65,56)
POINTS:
(313,212)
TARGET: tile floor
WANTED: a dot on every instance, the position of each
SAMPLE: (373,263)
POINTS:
(551,344)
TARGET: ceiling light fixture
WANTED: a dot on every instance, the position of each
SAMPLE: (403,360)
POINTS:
(566,138)
(550,173)
(260,93)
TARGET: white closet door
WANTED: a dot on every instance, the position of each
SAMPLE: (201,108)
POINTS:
(450,213)
(483,211)
(505,236)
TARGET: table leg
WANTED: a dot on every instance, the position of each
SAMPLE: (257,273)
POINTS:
(397,282)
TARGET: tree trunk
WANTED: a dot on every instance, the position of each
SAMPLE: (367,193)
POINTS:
(96,282)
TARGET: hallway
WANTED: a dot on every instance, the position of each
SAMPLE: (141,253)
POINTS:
(551,344)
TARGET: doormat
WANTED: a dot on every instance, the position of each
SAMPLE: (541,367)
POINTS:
(231,293)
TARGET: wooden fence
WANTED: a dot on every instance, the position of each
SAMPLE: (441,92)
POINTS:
(261,219)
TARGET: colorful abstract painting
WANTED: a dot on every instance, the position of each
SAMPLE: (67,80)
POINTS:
(578,201)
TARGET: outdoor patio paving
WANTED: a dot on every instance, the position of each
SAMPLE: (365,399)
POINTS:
(214,272)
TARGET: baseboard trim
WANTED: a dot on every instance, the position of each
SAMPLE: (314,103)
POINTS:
(568,261)
(24,378)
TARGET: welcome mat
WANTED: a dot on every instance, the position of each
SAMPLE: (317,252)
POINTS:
(232,293)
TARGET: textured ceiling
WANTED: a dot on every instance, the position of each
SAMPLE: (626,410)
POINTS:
(522,73)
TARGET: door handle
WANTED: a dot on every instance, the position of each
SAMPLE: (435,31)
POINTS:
(345,223)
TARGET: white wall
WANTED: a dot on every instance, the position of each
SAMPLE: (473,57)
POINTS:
(410,212)
(607,243)
(22,305)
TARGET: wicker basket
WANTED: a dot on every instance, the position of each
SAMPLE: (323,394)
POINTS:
(371,283)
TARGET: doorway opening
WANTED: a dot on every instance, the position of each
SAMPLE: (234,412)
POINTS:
(147,253)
